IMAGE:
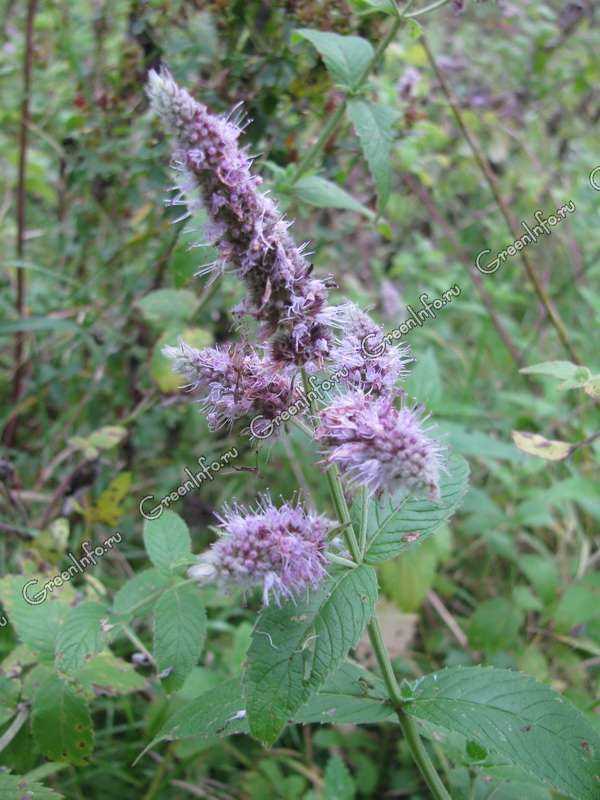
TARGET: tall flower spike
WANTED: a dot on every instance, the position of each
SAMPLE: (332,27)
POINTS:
(378,446)
(281,549)
(235,382)
(373,364)
(245,224)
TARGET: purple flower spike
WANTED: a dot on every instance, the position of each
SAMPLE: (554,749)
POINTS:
(235,382)
(281,549)
(373,364)
(246,226)
(380,447)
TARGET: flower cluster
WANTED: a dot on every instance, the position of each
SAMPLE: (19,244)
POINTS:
(249,231)
(234,381)
(370,366)
(379,446)
(281,549)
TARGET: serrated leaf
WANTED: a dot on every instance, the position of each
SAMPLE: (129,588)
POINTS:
(350,695)
(346,57)
(518,718)
(10,689)
(374,127)
(36,624)
(295,647)
(563,370)
(167,540)
(61,722)
(80,636)
(179,633)
(394,527)
(140,593)
(536,445)
(338,781)
(110,675)
(19,787)
(206,719)
(322,193)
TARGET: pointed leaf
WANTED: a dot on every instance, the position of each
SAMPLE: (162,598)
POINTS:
(110,675)
(140,593)
(80,636)
(346,57)
(19,787)
(518,718)
(295,647)
(167,540)
(36,622)
(395,527)
(179,633)
(61,722)
(374,127)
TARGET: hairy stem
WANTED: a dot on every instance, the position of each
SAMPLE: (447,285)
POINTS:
(417,748)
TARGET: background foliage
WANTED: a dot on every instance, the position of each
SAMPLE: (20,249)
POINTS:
(100,422)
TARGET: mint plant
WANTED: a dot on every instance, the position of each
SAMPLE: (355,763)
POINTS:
(391,485)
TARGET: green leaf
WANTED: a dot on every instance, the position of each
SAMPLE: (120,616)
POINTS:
(61,722)
(80,636)
(514,716)
(350,695)
(295,647)
(161,367)
(393,527)
(563,370)
(206,719)
(338,781)
(37,625)
(110,674)
(140,593)
(10,689)
(495,625)
(19,787)
(163,307)
(33,324)
(167,540)
(374,127)
(324,194)
(346,57)
(179,633)
(107,437)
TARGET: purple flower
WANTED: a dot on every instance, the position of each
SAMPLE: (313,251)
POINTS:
(235,382)
(281,549)
(379,446)
(373,364)
(249,231)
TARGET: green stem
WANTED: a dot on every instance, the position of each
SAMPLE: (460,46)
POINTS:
(417,748)
(311,154)
(427,9)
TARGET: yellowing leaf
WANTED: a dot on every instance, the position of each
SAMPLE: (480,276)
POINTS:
(536,445)
(108,508)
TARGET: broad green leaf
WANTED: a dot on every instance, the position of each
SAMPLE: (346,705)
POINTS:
(36,622)
(350,695)
(339,784)
(10,689)
(579,605)
(563,370)
(346,57)
(536,445)
(163,307)
(324,194)
(80,636)
(374,127)
(394,527)
(167,540)
(206,719)
(179,633)
(295,647)
(19,787)
(408,578)
(109,674)
(521,720)
(542,573)
(61,722)
(140,593)
(495,625)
